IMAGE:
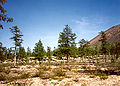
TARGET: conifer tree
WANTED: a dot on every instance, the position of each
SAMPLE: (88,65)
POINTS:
(3,15)
(103,40)
(81,48)
(17,39)
(3,53)
(22,54)
(49,53)
(66,40)
(39,51)
(28,52)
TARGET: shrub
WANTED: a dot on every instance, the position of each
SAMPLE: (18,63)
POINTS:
(7,71)
(103,77)
(24,76)
(92,76)
(1,68)
(76,79)
(59,72)
(47,76)
(84,67)
(3,77)
(83,84)
(38,74)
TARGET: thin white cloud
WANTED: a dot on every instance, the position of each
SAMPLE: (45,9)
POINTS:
(88,27)
(81,22)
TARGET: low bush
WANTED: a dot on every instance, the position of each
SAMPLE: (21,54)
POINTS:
(2,68)
(38,74)
(103,77)
(3,77)
(83,84)
(92,76)
(7,71)
(76,79)
(84,67)
(59,72)
(24,76)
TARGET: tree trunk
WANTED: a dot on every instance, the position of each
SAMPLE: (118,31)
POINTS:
(105,58)
(67,58)
(15,56)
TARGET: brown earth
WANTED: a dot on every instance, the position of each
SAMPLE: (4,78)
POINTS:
(76,75)
(113,35)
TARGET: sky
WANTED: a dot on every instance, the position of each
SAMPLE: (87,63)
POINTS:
(45,19)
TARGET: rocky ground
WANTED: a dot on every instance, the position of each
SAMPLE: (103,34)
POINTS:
(59,74)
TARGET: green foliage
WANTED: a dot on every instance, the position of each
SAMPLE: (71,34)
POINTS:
(2,68)
(24,76)
(39,50)
(83,84)
(10,54)
(28,52)
(39,74)
(17,35)
(22,54)
(75,79)
(49,53)
(84,67)
(17,38)
(92,76)
(3,15)
(3,77)
(3,52)
(84,49)
(58,53)
(66,40)
(103,77)
(59,72)
(103,40)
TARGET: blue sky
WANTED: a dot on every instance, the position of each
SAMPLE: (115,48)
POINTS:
(45,19)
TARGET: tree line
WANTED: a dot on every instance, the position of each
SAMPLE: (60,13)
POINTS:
(66,48)
(66,45)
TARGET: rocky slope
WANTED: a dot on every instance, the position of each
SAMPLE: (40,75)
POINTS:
(113,35)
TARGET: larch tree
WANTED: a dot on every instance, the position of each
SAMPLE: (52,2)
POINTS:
(17,38)
(3,15)
(66,40)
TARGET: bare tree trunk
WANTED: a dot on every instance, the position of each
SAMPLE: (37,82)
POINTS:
(15,56)
(67,58)
(105,58)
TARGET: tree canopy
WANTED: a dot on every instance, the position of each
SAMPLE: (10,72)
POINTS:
(39,50)
(66,40)
(3,15)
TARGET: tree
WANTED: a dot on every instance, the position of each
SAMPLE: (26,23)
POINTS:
(10,53)
(49,53)
(117,50)
(3,53)
(28,52)
(39,51)
(66,40)
(81,48)
(103,40)
(17,39)
(3,15)
(22,54)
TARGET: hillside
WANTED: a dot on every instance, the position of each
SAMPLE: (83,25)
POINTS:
(113,35)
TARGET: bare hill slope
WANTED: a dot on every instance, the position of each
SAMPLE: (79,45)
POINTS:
(113,35)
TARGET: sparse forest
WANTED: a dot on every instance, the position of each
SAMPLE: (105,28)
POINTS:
(65,65)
